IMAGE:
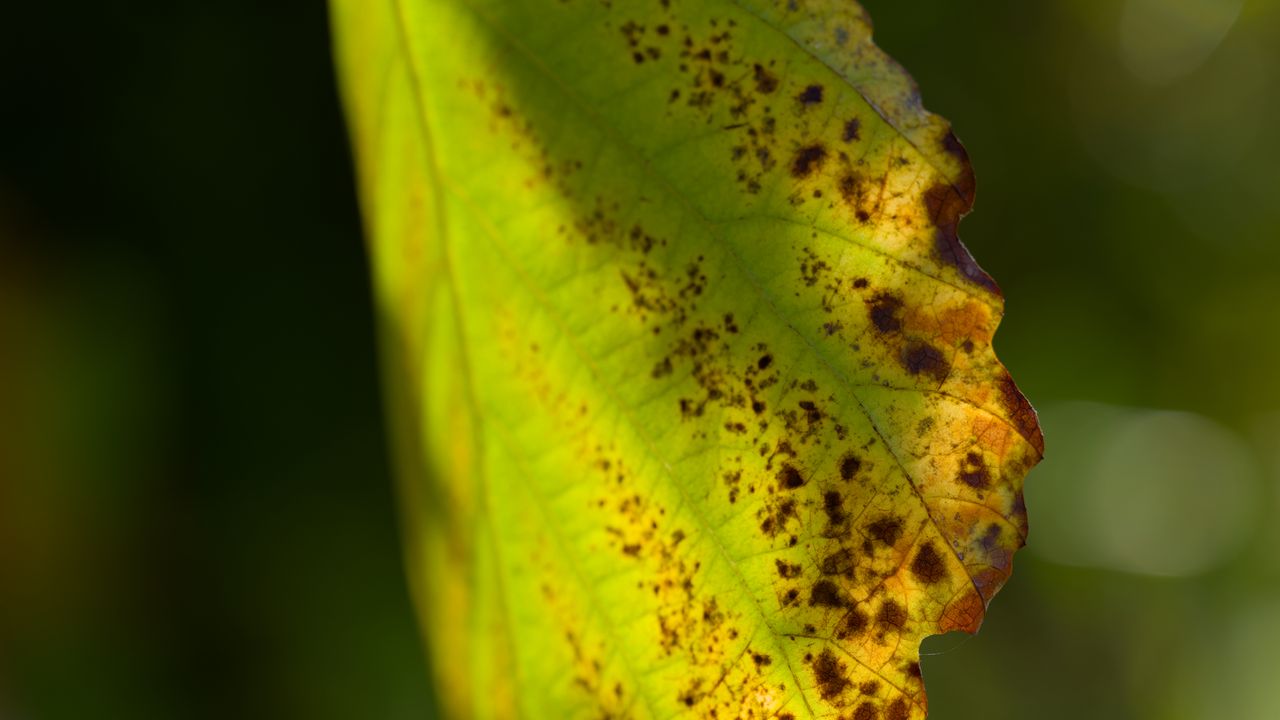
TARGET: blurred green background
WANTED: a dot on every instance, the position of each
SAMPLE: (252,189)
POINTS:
(196,516)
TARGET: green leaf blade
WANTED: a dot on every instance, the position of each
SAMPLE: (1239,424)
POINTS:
(697,403)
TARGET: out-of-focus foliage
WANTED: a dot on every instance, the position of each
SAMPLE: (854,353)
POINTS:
(195,512)
(698,409)
(201,531)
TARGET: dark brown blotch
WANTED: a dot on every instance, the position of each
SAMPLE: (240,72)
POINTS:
(766,82)
(830,675)
(991,538)
(928,566)
(786,569)
(974,472)
(807,160)
(850,188)
(886,530)
(661,369)
(811,411)
(897,710)
(811,95)
(891,615)
(922,358)
(853,623)
(688,697)
(852,130)
(840,562)
(789,477)
(833,506)
(885,311)
(775,517)
(865,711)
(849,466)
(825,594)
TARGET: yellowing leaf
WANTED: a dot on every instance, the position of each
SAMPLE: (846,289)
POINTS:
(697,411)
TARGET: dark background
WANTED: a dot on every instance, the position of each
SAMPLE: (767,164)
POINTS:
(198,519)
(195,507)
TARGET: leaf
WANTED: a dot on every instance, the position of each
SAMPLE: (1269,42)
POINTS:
(697,410)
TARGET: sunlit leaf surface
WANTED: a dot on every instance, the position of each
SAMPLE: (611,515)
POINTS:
(696,404)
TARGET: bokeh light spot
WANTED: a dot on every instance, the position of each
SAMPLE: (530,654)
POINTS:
(1143,491)
(1163,40)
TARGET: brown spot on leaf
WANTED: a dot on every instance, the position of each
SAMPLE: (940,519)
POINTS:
(991,539)
(1018,511)
(891,615)
(919,357)
(885,310)
(808,159)
(811,411)
(825,593)
(787,570)
(830,675)
(775,517)
(974,472)
(897,710)
(851,130)
(849,466)
(688,697)
(928,566)
(661,369)
(865,711)
(789,477)
(811,95)
(886,530)
(839,562)
(850,188)
(766,82)
(853,623)
(833,505)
